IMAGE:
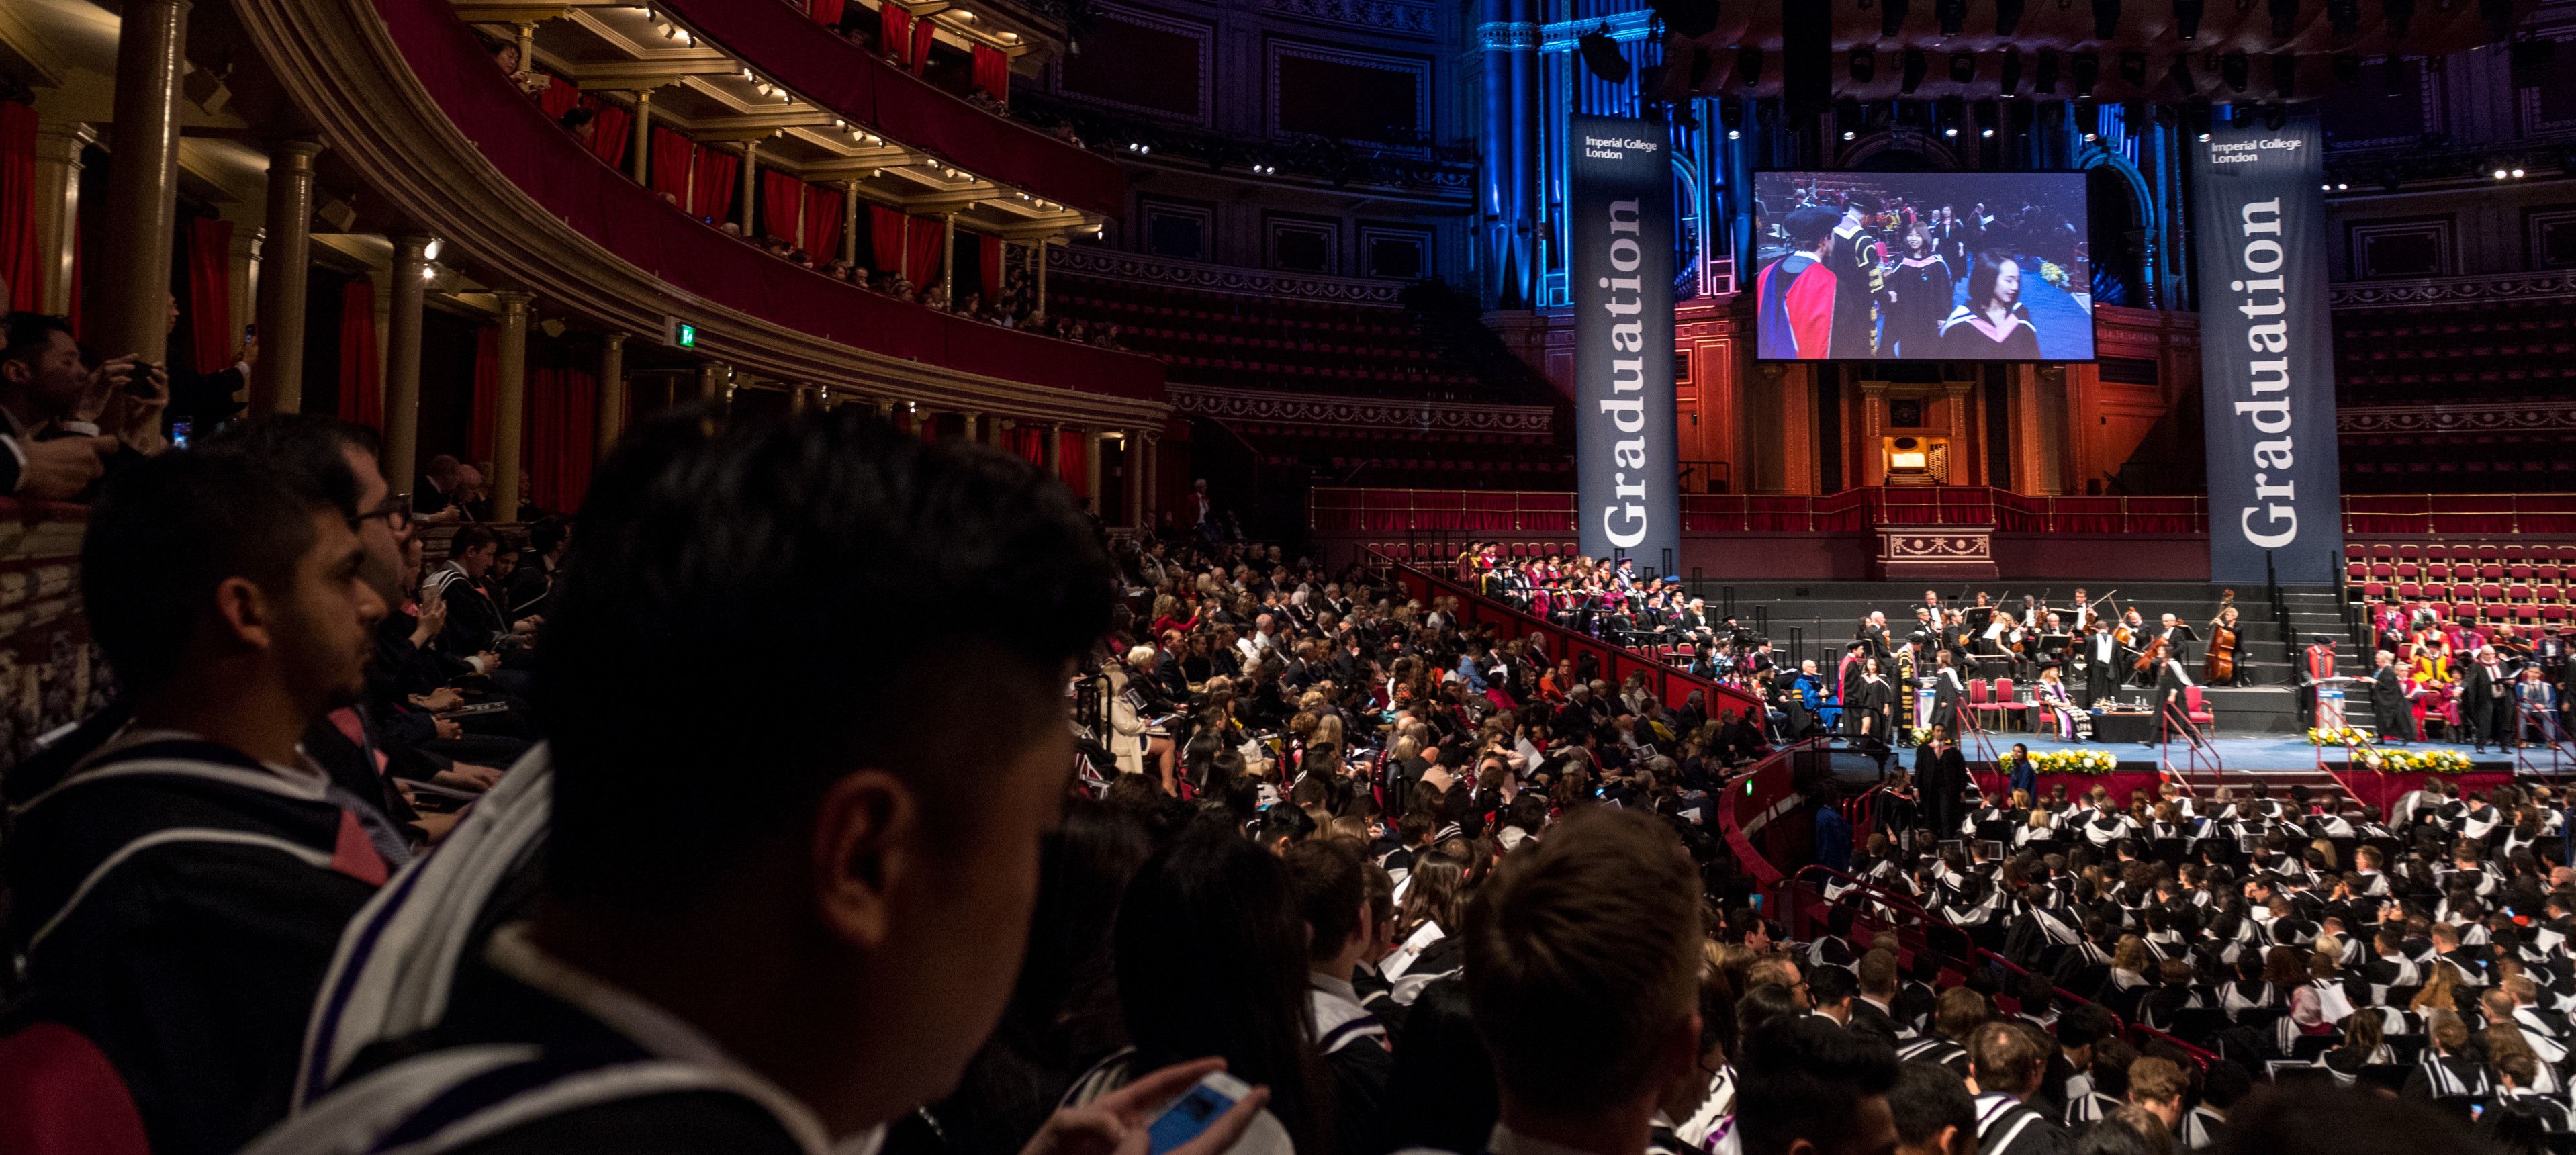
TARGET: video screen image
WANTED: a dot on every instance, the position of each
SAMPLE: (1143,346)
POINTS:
(1934,266)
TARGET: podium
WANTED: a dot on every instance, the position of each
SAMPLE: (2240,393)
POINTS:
(2329,707)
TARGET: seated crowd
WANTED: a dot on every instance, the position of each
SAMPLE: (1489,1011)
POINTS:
(807,856)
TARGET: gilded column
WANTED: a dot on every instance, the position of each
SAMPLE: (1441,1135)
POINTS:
(402,359)
(611,418)
(58,168)
(143,184)
(286,252)
(510,408)
(639,151)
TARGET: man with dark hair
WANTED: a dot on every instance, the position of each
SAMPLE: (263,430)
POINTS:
(2005,1063)
(789,915)
(477,632)
(1582,968)
(1795,295)
(52,446)
(1832,989)
(1340,928)
(2226,1084)
(1934,1113)
(535,578)
(1958,1015)
(178,893)
(1804,1084)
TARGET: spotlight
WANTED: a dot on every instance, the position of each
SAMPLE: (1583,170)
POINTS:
(1891,18)
(2275,115)
(2499,174)
(1734,134)
(2344,17)
(1952,16)
(1986,133)
(2011,78)
(2401,17)
(2517,174)
(1915,64)
(2285,19)
(1601,56)
(1730,112)
(2088,68)
(2106,19)
(2232,69)
(2285,75)
(2179,75)
(2204,138)
(2007,17)
(1951,131)
(429,252)
(1963,67)
(1849,134)
(2340,186)
(1748,64)
(2133,69)
(2187,19)
(2046,82)
(2088,117)
(1864,65)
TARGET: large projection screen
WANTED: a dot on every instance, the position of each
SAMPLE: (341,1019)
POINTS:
(1921,266)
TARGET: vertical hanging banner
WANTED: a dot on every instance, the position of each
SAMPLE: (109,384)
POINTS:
(2266,354)
(1620,224)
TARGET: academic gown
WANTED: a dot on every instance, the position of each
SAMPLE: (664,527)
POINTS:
(179,902)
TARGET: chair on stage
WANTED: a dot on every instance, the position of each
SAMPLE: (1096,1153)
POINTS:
(2194,708)
(2005,702)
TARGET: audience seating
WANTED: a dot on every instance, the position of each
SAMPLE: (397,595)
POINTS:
(1238,341)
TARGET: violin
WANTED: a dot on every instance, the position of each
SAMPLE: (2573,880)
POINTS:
(2153,656)
(2219,665)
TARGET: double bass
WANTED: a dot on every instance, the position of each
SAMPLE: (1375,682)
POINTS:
(2219,665)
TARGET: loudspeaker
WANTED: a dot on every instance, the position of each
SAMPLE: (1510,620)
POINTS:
(1952,15)
(1601,57)
(2401,17)
(2186,19)
(2344,17)
(2007,17)
(2285,18)
(2133,69)
(2046,82)
(1807,58)
(1891,17)
(2179,75)
(1963,67)
(2010,82)
(1864,65)
(1916,63)
(2106,19)
(2088,69)
(2285,75)
(2232,68)
(1748,64)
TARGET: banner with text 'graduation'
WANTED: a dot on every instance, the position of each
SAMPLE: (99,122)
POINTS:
(2266,353)
(1620,224)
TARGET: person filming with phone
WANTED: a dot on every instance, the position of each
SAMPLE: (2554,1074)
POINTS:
(67,421)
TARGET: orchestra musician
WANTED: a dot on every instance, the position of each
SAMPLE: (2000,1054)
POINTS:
(2102,663)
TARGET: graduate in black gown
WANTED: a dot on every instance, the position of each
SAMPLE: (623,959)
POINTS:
(1918,296)
(1994,325)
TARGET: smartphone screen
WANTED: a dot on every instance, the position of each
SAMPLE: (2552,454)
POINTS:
(179,431)
(1181,1122)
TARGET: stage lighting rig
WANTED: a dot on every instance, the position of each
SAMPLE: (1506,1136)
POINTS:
(2233,69)
(1748,64)
(2046,82)
(2186,14)
(1730,112)
(2010,81)
(2088,69)
(2088,118)
(2133,69)
(1916,63)
(2285,75)
(1963,67)
(1891,17)
(1864,65)
(1952,15)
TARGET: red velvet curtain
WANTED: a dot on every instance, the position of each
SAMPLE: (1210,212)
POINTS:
(362,399)
(894,26)
(1069,463)
(487,387)
(993,72)
(20,262)
(559,97)
(926,257)
(992,267)
(712,187)
(1029,442)
(560,432)
(671,155)
(885,238)
(611,128)
(782,205)
(825,12)
(823,224)
(210,294)
(923,32)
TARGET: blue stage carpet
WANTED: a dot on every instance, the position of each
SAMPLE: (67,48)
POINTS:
(2267,752)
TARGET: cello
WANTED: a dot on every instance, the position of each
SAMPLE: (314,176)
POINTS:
(2219,665)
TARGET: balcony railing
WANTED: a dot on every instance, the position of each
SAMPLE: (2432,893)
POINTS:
(1343,510)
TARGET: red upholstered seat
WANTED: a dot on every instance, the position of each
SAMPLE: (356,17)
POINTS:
(59,1096)
(2195,708)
